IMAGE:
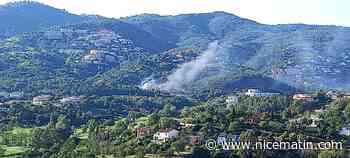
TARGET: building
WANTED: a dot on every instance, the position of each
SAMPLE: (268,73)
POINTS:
(255,119)
(71,100)
(186,125)
(303,97)
(143,132)
(333,95)
(42,100)
(258,93)
(165,135)
(346,95)
(231,100)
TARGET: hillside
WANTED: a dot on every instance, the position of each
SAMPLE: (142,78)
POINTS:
(26,16)
(305,56)
(120,56)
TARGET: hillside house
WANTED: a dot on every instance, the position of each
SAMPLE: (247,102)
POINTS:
(165,135)
(186,125)
(143,132)
(346,95)
(258,93)
(71,100)
(231,101)
(42,100)
(255,119)
(333,95)
(303,97)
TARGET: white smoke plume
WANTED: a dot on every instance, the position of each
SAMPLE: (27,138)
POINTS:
(187,72)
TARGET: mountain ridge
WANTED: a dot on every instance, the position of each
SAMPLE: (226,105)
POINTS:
(127,51)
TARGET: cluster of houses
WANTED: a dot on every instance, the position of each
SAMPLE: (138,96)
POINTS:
(99,56)
(313,120)
(330,94)
(232,100)
(46,99)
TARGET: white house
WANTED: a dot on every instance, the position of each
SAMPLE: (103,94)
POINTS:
(165,135)
(41,100)
(257,93)
(231,100)
(71,100)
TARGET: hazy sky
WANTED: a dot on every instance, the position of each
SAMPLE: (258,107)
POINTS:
(326,12)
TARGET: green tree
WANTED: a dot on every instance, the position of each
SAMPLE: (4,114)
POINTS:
(199,152)
(332,154)
(168,110)
(153,119)
(140,152)
(233,127)
(177,146)
(167,122)
(347,111)
(62,122)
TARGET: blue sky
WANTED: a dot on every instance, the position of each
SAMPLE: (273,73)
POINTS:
(324,12)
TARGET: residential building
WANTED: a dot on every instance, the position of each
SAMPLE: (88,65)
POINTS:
(231,100)
(186,125)
(165,135)
(143,132)
(71,100)
(255,119)
(346,95)
(303,97)
(258,93)
(333,95)
(42,100)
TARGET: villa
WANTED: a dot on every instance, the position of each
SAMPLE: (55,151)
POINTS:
(303,97)
(258,93)
(71,100)
(165,135)
(42,100)
(143,132)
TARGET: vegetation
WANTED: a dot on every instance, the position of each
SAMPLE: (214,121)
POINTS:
(75,90)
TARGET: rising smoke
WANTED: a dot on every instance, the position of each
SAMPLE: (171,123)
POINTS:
(185,73)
